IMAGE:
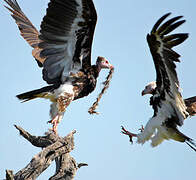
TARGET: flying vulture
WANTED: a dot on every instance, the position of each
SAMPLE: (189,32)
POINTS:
(62,48)
(189,102)
(169,107)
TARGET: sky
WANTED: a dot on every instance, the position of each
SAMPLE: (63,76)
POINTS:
(120,36)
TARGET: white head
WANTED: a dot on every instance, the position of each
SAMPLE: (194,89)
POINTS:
(149,88)
(103,63)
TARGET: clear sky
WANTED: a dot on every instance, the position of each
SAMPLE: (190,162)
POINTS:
(120,36)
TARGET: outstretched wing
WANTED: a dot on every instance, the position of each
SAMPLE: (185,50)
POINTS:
(65,38)
(167,93)
(191,105)
(27,30)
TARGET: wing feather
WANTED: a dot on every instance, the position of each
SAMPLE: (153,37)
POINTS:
(64,42)
(167,92)
(157,24)
(72,23)
(27,30)
(168,24)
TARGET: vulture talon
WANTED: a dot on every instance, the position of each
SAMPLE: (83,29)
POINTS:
(54,123)
(131,135)
(141,129)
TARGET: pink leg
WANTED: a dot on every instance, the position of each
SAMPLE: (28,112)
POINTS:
(54,123)
(60,106)
(131,135)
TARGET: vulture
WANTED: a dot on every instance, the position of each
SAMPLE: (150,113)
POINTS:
(170,109)
(62,48)
(189,102)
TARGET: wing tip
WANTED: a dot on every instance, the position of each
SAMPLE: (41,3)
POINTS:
(159,21)
(168,26)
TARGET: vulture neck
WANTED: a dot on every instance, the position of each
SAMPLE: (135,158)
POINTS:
(96,70)
(98,67)
(154,92)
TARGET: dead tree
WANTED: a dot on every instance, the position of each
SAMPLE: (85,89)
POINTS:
(54,148)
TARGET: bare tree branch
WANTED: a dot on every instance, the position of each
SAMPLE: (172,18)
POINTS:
(55,148)
(9,175)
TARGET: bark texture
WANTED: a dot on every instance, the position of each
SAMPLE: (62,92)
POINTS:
(54,148)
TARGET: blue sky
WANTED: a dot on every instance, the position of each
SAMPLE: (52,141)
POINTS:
(120,36)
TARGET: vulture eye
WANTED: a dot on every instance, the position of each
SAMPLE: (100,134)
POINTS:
(106,62)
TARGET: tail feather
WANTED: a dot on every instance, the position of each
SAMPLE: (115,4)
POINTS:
(42,92)
(191,144)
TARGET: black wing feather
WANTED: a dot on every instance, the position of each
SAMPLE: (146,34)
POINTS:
(67,30)
(164,58)
(168,24)
(157,39)
(159,22)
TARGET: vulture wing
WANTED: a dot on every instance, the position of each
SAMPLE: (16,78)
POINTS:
(167,95)
(27,30)
(65,39)
(191,105)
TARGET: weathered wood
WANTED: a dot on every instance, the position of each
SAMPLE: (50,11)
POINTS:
(66,168)
(9,175)
(55,148)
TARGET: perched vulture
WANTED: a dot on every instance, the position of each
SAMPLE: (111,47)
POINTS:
(189,102)
(63,49)
(167,102)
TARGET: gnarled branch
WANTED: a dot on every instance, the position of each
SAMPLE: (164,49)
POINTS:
(55,148)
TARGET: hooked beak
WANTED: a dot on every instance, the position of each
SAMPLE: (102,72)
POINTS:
(111,66)
(144,92)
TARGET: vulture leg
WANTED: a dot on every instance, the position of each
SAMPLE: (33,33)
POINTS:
(55,122)
(58,109)
(131,135)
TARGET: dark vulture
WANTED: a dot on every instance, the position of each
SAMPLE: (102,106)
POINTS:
(189,102)
(170,109)
(63,49)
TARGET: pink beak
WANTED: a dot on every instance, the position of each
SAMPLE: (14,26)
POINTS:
(111,67)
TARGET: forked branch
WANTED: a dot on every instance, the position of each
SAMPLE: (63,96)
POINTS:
(55,148)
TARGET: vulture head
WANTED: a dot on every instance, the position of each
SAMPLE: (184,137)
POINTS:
(103,63)
(149,88)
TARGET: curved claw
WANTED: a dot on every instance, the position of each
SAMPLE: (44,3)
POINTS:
(141,129)
(123,130)
(131,135)
(54,123)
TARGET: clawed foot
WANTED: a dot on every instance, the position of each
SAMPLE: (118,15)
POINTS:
(131,135)
(54,123)
(141,129)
